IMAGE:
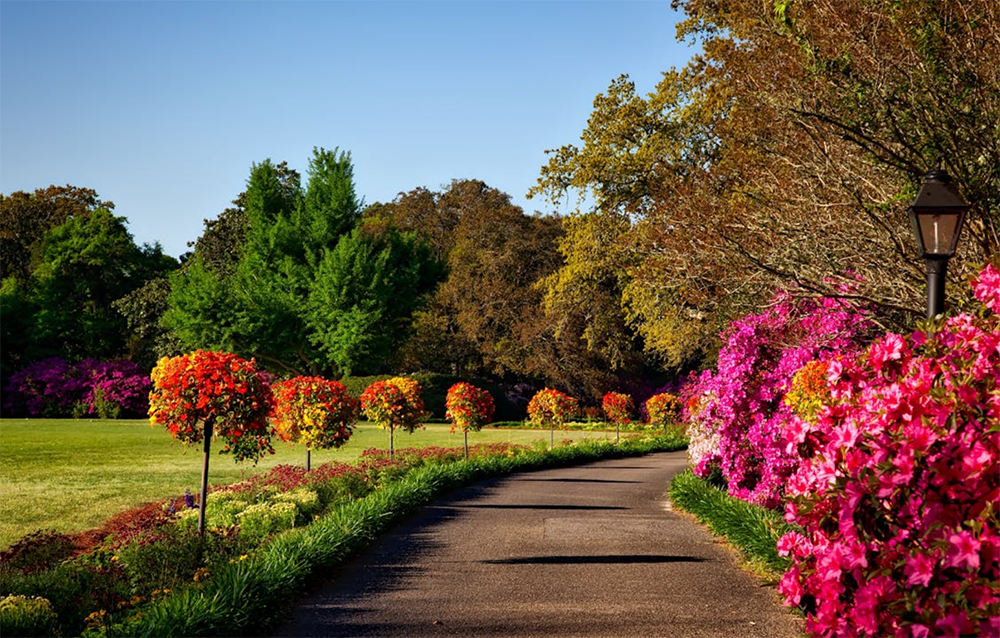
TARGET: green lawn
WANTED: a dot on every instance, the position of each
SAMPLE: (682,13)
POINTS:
(71,475)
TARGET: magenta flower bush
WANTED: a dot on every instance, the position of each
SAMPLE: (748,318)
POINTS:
(117,389)
(897,484)
(735,415)
(54,388)
(46,388)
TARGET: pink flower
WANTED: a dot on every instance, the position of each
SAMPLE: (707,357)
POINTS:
(986,287)
(919,569)
(889,348)
(954,625)
(963,551)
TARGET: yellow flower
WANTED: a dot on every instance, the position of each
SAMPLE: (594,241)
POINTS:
(96,618)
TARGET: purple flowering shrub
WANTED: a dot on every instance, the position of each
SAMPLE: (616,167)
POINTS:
(117,389)
(46,388)
(735,414)
(897,484)
(53,388)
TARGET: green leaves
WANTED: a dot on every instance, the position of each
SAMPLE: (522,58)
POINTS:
(365,292)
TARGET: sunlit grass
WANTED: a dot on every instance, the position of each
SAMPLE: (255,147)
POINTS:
(71,475)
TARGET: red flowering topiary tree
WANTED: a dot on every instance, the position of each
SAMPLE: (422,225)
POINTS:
(394,403)
(203,394)
(664,410)
(619,408)
(468,408)
(315,412)
(551,407)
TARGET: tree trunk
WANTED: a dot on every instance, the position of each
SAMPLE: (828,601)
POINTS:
(392,452)
(308,459)
(204,478)
(466,432)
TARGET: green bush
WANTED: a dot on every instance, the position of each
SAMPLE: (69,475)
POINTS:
(263,519)
(306,503)
(348,487)
(223,508)
(165,562)
(27,616)
(73,588)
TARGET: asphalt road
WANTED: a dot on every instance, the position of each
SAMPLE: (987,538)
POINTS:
(584,551)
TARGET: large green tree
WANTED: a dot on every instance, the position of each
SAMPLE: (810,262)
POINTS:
(250,286)
(365,293)
(788,152)
(25,218)
(85,265)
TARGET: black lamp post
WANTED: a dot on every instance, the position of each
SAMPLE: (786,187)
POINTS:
(937,215)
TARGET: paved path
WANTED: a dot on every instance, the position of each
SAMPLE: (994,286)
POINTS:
(583,551)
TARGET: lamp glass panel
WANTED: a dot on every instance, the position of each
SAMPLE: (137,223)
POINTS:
(937,232)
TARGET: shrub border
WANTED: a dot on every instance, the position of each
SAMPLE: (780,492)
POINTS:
(249,596)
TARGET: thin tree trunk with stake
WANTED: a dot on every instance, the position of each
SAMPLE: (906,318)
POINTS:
(204,478)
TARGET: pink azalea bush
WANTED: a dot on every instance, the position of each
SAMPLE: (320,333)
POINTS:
(735,414)
(55,388)
(897,483)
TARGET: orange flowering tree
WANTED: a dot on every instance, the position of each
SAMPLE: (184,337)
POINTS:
(468,408)
(664,409)
(551,407)
(619,408)
(203,394)
(394,403)
(315,412)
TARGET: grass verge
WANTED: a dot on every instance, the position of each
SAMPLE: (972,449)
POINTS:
(753,530)
(251,596)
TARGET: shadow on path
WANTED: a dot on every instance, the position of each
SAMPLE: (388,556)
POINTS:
(634,559)
(573,480)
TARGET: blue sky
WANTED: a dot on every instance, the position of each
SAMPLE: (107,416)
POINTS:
(162,107)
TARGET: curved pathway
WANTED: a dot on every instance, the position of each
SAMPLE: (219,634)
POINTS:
(591,550)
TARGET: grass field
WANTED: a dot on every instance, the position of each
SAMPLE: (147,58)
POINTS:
(71,475)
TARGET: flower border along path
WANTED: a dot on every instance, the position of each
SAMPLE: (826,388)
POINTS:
(246,596)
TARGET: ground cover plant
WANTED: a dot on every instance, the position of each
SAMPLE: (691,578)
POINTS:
(149,573)
(752,529)
(71,474)
(585,425)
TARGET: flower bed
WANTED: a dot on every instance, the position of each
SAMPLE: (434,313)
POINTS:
(148,571)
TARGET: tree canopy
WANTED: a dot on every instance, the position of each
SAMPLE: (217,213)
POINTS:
(800,134)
